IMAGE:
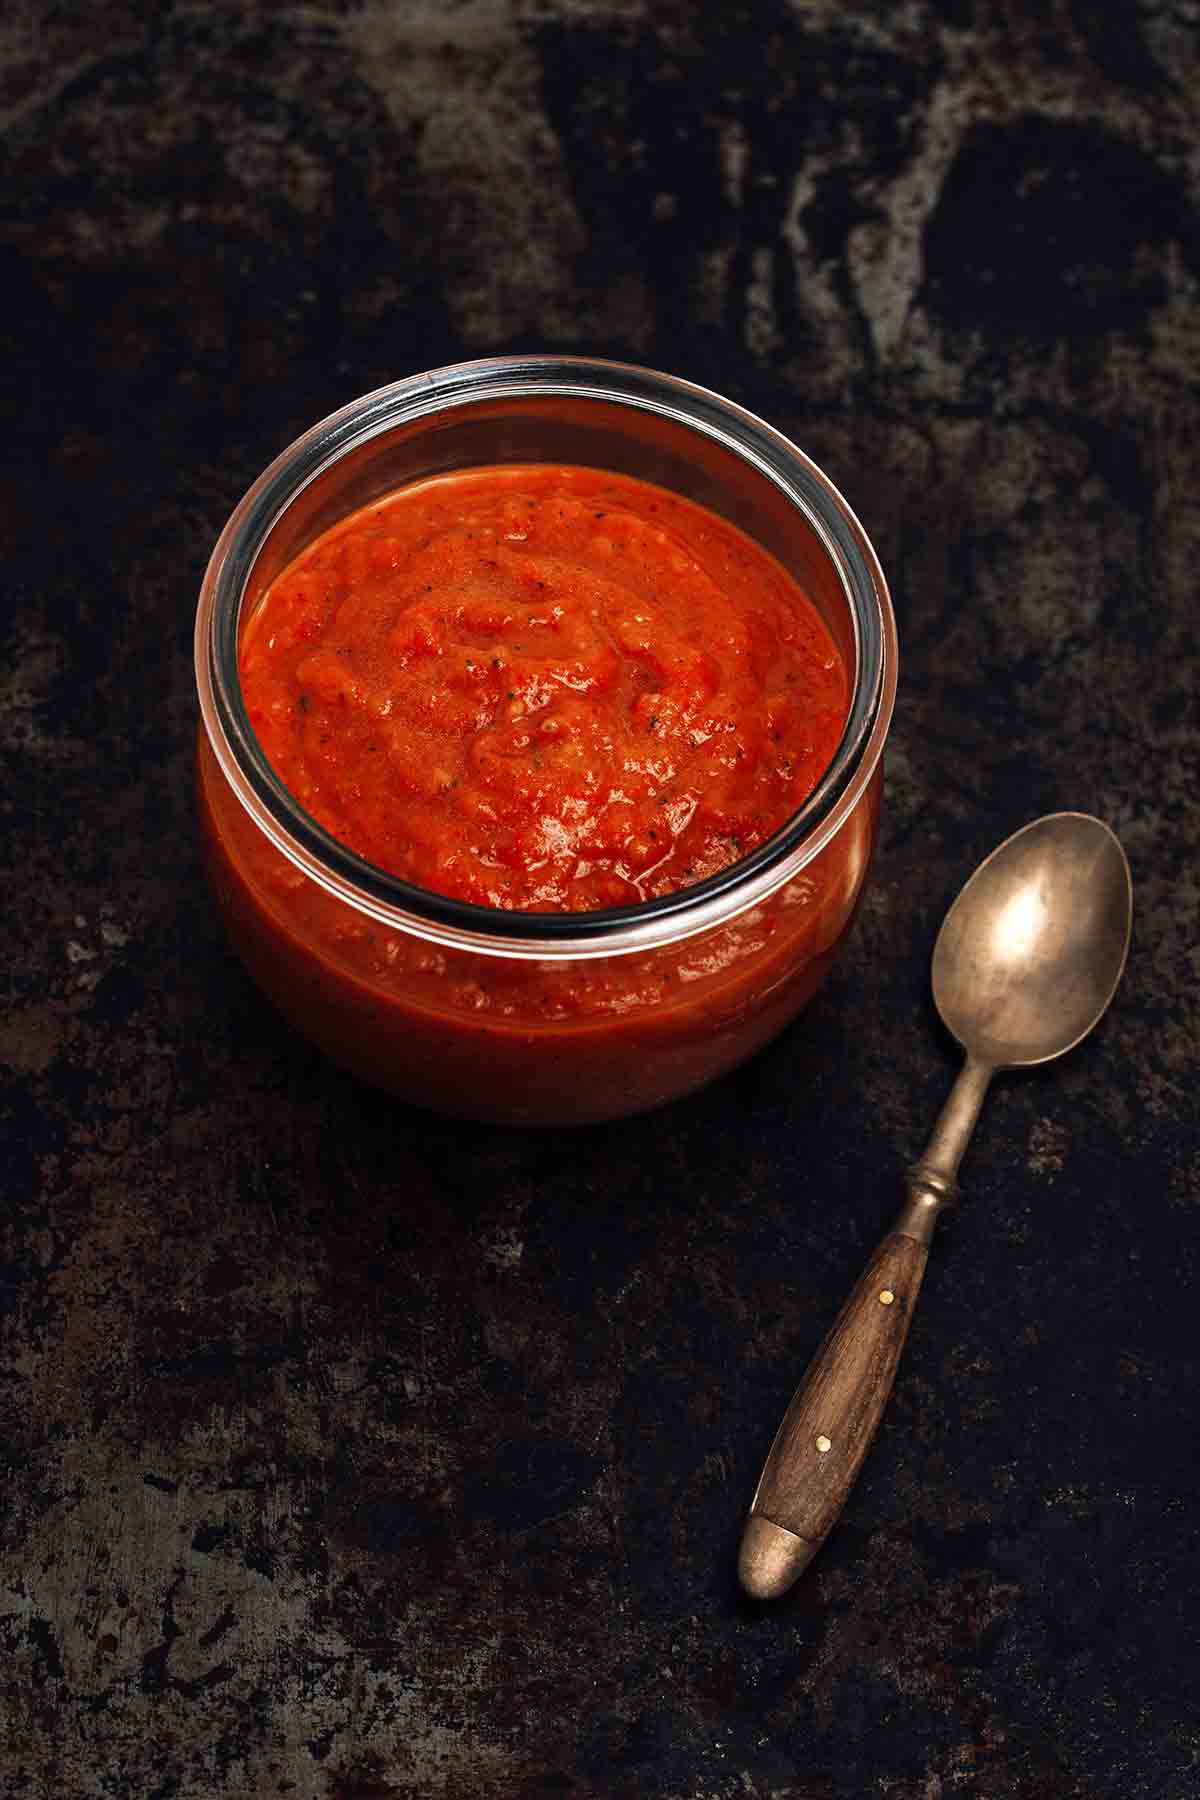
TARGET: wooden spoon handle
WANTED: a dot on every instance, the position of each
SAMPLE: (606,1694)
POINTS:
(827,1430)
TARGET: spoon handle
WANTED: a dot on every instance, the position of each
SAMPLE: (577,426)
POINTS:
(827,1430)
(828,1427)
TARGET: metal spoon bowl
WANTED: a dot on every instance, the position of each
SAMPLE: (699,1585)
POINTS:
(1026,962)
(1031,952)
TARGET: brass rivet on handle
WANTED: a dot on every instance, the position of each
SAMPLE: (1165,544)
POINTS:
(824,1444)
(886,1297)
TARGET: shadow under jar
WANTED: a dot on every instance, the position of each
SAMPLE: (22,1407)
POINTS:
(523,1017)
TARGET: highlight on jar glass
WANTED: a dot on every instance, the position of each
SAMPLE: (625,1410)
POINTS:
(543,704)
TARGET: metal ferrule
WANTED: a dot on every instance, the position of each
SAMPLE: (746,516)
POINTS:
(926,1193)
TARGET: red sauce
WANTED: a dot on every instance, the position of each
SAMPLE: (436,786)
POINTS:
(544,688)
(540,688)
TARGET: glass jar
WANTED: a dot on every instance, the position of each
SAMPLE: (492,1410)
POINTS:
(540,1018)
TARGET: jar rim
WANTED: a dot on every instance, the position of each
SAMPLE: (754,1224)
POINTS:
(390,900)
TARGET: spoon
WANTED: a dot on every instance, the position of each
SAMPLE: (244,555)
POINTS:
(1027,960)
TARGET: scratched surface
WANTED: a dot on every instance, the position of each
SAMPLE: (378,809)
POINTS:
(350,1454)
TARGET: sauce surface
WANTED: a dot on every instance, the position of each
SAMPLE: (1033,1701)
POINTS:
(543,687)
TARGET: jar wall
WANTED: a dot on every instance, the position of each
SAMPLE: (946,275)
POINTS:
(522,1041)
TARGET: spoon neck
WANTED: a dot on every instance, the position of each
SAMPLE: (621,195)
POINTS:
(956,1122)
(932,1180)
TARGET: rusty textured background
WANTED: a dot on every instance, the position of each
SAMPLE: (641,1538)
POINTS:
(348,1453)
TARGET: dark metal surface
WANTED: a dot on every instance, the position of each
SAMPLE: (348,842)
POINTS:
(347,1452)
